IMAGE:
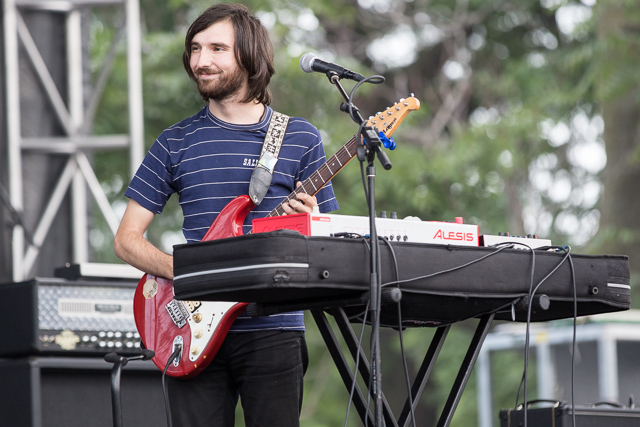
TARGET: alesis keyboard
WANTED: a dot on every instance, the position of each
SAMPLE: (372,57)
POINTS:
(440,284)
(410,229)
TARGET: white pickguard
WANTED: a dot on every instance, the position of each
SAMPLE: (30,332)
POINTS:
(202,331)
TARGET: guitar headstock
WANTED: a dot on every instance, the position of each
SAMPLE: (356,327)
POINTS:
(389,120)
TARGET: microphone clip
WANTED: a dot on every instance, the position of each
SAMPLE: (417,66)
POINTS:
(333,76)
(374,145)
(371,137)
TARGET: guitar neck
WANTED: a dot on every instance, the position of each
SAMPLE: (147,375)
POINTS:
(322,175)
(386,122)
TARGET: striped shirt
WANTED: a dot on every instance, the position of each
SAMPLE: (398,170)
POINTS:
(209,162)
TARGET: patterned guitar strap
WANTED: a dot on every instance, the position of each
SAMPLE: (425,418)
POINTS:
(263,173)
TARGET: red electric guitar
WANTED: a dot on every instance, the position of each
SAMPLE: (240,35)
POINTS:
(199,327)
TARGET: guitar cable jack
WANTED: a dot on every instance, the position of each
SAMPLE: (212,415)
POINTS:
(177,351)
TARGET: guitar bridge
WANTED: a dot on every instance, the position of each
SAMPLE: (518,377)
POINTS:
(178,313)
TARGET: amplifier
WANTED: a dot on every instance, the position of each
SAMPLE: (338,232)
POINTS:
(47,391)
(56,316)
(410,229)
(561,415)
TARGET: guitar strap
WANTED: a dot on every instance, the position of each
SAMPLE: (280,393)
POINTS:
(263,173)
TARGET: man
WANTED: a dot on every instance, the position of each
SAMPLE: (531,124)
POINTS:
(208,159)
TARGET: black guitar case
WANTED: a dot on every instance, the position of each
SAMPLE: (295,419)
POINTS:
(439,284)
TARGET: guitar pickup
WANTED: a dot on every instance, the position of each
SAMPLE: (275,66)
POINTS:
(192,305)
(178,313)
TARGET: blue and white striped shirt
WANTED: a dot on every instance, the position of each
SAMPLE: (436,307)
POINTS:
(209,162)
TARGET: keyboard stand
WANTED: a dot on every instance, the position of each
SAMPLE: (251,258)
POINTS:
(421,378)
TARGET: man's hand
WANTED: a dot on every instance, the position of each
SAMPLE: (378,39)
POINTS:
(304,203)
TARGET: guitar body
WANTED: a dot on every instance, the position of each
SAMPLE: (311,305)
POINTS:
(198,326)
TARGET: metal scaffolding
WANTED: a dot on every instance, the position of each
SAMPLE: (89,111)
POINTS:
(74,116)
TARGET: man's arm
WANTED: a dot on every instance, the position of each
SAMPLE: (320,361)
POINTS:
(131,246)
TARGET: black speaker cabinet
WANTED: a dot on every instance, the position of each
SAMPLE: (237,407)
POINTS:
(76,392)
(561,415)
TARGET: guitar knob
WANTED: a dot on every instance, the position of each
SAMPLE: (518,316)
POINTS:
(195,350)
(198,333)
(197,317)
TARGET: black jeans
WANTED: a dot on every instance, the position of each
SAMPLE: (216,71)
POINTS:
(264,369)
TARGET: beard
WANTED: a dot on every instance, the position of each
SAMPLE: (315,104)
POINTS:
(226,85)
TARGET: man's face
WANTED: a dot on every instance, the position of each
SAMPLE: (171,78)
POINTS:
(214,65)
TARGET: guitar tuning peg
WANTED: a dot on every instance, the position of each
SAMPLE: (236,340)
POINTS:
(401,100)
(412,94)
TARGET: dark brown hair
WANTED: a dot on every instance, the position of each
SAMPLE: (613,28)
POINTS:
(253,48)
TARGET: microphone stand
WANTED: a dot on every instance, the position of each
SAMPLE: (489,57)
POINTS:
(372,147)
(120,362)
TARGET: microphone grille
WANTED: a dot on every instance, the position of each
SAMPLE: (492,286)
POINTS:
(147,354)
(111,357)
(306,61)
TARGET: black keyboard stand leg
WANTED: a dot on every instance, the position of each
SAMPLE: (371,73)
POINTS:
(465,369)
(364,367)
(359,399)
(341,364)
(424,373)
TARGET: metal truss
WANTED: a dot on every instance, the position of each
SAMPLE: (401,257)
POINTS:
(75,118)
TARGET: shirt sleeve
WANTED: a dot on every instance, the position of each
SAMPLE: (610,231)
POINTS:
(152,184)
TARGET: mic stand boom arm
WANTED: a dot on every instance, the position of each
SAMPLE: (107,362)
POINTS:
(373,146)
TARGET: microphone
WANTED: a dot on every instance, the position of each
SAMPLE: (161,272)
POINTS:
(145,354)
(113,358)
(309,63)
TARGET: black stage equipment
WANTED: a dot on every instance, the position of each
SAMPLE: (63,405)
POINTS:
(76,392)
(561,415)
(53,316)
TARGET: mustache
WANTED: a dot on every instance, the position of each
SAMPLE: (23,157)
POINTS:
(200,71)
